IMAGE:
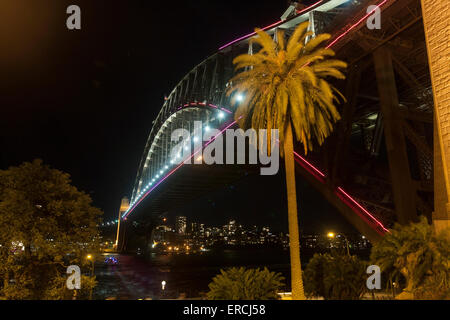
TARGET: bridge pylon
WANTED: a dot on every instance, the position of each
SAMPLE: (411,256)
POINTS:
(124,205)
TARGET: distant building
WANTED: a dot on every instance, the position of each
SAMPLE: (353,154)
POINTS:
(232,227)
(180,224)
(194,228)
(162,233)
(311,240)
(208,232)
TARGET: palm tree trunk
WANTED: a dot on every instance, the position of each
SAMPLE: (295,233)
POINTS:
(294,243)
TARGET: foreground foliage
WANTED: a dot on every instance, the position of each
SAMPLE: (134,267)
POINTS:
(335,276)
(46,225)
(418,257)
(245,284)
(285,87)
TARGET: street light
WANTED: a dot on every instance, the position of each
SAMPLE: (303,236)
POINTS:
(331,235)
(163,284)
(90,258)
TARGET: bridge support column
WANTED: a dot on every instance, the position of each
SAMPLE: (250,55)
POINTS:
(344,127)
(124,205)
(436,15)
(402,186)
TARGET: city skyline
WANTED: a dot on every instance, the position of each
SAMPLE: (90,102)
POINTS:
(234,233)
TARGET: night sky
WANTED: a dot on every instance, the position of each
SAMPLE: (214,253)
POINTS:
(83,100)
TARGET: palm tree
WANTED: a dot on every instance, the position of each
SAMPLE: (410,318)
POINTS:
(285,89)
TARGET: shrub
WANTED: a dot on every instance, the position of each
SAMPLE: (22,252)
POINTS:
(245,284)
(335,277)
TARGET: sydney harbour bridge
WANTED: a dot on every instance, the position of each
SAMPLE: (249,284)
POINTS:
(377,166)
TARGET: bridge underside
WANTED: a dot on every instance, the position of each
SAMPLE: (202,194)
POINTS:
(193,181)
(190,182)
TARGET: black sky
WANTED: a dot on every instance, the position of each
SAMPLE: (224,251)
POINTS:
(83,100)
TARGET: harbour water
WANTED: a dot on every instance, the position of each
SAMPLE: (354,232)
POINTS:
(185,275)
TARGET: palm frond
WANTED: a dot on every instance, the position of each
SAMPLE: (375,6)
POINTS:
(287,83)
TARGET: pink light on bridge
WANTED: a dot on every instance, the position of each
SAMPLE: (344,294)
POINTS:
(307,8)
(340,191)
(221,108)
(310,165)
(362,208)
(300,12)
(268,27)
(355,24)
(249,35)
(192,104)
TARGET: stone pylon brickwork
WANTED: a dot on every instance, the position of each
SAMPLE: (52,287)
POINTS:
(436,20)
